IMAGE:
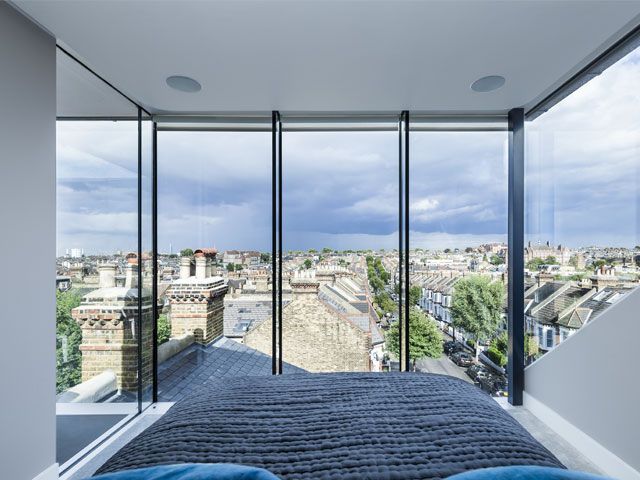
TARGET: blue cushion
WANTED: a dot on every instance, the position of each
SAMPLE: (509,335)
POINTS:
(524,473)
(192,471)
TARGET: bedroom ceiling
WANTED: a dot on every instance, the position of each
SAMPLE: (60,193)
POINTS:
(335,56)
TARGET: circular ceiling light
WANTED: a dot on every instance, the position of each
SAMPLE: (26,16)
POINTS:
(488,84)
(183,84)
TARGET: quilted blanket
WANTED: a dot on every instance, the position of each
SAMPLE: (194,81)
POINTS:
(338,425)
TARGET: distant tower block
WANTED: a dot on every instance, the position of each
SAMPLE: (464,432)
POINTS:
(197,302)
(108,319)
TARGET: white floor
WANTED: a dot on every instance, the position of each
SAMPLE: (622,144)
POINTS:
(564,451)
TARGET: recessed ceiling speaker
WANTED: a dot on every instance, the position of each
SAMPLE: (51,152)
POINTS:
(488,84)
(184,84)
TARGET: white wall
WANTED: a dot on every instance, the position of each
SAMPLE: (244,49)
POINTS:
(27,243)
(591,381)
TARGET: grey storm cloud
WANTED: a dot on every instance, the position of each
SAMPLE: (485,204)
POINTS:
(340,188)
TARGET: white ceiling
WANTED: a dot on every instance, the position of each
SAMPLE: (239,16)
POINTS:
(335,56)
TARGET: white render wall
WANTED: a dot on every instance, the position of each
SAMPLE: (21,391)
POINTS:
(591,380)
(27,243)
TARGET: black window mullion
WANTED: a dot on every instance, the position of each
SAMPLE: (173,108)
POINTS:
(400,249)
(407,273)
(274,252)
(279,244)
(154,255)
(515,267)
(139,282)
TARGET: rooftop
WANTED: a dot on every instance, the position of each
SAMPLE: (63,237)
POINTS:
(188,370)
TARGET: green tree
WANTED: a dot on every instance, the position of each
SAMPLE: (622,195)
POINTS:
(425,338)
(535,263)
(496,356)
(384,302)
(327,250)
(237,267)
(496,260)
(313,250)
(265,257)
(531,348)
(477,307)
(308,264)
(186,252)
(230,267)
(164,329)
(501,343)
(68,339)
(415,294)
(551,260)
(468,250)
(573,261)
(377,285)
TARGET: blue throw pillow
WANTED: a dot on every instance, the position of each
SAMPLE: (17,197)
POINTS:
(525,473)
(192,471)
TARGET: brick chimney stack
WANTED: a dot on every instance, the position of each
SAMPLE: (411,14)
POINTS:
(107,317)
(304,283)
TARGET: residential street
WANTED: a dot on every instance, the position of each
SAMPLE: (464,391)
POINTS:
(442,366)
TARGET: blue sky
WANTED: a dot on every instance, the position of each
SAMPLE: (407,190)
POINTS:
(340,189)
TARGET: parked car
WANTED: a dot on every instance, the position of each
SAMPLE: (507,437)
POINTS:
(462,359)
(495,385)
(486,383)
(500,388)
(477,371)
(451,347)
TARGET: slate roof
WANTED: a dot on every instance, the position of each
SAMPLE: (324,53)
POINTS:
(550,309)
(187,371)
(243,312)
(568,304)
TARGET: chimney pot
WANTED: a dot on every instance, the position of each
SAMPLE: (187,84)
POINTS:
(185,267)
(107,275)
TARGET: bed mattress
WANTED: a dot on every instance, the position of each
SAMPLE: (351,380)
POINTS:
(338,425)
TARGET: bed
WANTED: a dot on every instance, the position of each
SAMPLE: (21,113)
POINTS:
(338,425)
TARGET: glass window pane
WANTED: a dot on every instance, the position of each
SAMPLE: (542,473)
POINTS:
(582,206)
(458,252)
(214,251)
(340,234)
(97,212)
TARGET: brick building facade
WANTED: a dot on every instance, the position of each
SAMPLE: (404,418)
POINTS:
(316,337)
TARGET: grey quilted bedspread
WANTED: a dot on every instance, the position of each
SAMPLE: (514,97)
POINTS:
(340,425)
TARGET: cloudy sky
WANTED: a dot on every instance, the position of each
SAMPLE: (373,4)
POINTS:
(340,189)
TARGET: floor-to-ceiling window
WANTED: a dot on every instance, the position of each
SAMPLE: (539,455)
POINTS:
(98,335)
(458,251)
(214,255)
(582,253)
(340,258)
